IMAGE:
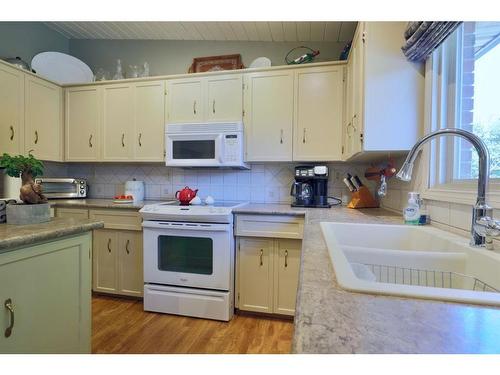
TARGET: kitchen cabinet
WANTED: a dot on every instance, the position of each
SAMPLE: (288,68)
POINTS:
(11,110)
(268,262)
(149,121)
(104,259)
(318,113)
(117,122)
(49,289)
(268,116)
(130,267)
(385,92)
(43,119)
(76,213)
(82,123)
(217,98)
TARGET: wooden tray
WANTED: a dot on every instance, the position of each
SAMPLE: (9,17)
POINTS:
(216,63)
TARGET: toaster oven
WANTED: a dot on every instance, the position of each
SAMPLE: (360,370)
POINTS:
(63,187)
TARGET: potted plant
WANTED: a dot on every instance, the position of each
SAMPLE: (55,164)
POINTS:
(36,208)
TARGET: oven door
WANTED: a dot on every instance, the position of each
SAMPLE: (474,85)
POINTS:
(197,255)
(194,150)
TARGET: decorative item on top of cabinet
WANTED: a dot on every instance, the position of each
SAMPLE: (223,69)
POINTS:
(43,119)
(384,109)
(214,98)
(216,63)
(11,110)
(269,115)
(318,113)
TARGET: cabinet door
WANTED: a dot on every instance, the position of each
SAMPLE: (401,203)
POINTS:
(74,213)
(224,98)
(43,119)
(118,122)
(286,275)
(269,116)
(130,269)
(184,100)
(82,123)
(49,288)
(149,142)
(11,110)
(104,261)
(256,274)
(357,82)
(318,114)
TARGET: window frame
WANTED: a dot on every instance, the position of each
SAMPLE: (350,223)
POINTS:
(456,191)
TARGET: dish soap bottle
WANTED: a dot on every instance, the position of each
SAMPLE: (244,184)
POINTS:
(411,212)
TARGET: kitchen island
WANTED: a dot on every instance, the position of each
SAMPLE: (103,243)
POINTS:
(45,286)
(329,319)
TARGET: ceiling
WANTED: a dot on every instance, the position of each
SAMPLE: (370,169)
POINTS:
(221,31)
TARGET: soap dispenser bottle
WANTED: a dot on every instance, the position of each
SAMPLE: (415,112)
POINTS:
(411,212)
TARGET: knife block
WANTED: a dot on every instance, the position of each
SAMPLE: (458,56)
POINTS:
(362,199)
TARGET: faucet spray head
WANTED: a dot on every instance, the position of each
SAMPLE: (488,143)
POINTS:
(405,172)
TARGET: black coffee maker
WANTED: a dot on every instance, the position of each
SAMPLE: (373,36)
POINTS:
(310,188)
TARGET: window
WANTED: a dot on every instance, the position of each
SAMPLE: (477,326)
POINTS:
(465,93)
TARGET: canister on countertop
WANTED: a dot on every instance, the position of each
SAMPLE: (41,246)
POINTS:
(136,189)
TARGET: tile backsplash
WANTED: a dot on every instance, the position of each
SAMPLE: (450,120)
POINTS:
(263,183)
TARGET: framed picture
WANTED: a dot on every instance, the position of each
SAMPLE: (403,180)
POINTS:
(215,63)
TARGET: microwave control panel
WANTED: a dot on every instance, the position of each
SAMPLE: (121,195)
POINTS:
(232,147)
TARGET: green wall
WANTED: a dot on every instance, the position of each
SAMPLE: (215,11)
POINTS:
(26,39)
(174,57)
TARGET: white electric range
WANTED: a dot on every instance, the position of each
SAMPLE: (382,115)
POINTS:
(189,259)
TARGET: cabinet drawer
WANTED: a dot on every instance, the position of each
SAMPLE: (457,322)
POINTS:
(117,219)
(77,213)
(274,226)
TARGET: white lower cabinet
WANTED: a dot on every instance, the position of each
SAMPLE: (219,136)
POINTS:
(268,271)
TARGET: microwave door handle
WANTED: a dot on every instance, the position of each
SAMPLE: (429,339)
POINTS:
(219,148)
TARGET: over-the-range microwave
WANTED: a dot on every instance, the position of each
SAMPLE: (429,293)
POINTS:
(209,144)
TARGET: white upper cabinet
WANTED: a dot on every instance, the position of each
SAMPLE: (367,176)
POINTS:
(11,110)
(82,123)
(385,104)
(198,99)
(224,98)
(43,119)
(149,121)
(269,115)
(118,122)
(185,100)
(318,113)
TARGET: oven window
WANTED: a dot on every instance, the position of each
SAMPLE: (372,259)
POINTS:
(204,149)
(59,187)
(185,254)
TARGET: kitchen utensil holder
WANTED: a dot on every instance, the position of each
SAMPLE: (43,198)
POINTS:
(362,198)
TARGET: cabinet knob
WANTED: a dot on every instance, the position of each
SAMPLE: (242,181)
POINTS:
(109,245)
(281,136)
(213,106)
(90,141)
(36,136)
(286,258)
(9,306)
(123,139)
(304,136)
(261,254)
(126,247)
(11,133)
(194,107)
(140,136)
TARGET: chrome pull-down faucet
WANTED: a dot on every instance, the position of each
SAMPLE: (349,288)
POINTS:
(483,227)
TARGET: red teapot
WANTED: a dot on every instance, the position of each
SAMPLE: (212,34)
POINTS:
(185,195)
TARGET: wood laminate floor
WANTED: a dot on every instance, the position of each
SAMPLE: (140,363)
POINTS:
(122,326)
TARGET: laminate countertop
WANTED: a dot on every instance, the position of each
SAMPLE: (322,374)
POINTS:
(329,319)
(100,203)
(16,236)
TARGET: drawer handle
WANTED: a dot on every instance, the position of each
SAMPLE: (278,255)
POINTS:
(126,247)
(261,254)
(304,136)
(281,136)
(194,107)
(123,139)
(90,141)
(36,136)
(109,244)
(286,258)
(9,306)
(213,106)
(140,136)
(11,133)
